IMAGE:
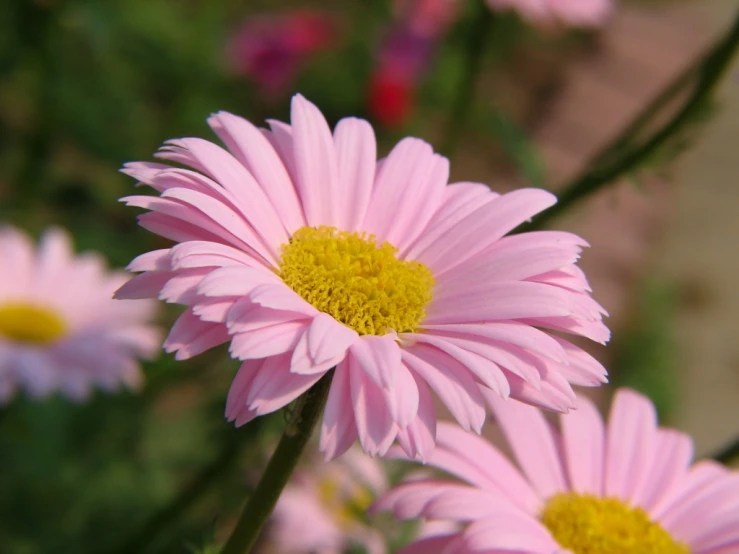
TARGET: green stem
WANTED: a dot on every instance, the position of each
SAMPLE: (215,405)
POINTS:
(711,69)
(262,501)
(482,24)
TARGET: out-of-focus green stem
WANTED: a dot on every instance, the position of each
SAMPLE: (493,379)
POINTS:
(474,52)
(279,469)
(727,453)
(710,69)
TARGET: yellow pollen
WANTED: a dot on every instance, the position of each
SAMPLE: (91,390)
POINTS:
(587,524)
(356,281)
(31,324)
(346,509)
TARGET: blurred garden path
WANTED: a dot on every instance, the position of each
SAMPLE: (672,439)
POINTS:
(700,254)
(682,230)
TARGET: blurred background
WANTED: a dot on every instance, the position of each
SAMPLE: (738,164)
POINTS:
(86,86)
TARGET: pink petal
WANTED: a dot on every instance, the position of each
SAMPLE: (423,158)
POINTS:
(632,431)
(146,285)
(512,332)
(484,227)
(482,366)
(375,427)
(499,301)
(509,532)
(266,245)
(338,429)
(402,396)
(190,336)
(236,408)
(533,444)
(234,281)
(356,154)
(156,260)
(452,383)
(458,201)
(275,386)
(315,164)
(583,436)
(244,315)
(408,190)
(418,439)
(209,254)
(313,353)
(255,152)
(268,341)
(378,357)
(250,199)
(477,461)
(669,468)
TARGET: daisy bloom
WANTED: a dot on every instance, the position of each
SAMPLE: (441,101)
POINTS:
(60,328)
(556,13)
(322,509)
(305,252)
(590,488)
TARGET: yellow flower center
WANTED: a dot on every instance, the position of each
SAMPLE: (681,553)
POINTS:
(587,524)
(346,508)
(32,324)
(356,281)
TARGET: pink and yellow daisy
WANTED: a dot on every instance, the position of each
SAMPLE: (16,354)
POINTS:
(322,509)
(60,329)
(306,253)
(624,487)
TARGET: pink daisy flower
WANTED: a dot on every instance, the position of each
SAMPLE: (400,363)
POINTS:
(323,508)
(60,328)
(305,252)
(627,487)
(548,13)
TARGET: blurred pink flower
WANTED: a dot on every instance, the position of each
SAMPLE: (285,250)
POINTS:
(405,55)
(625,487)
(60,328)
(306,253)
(403,59)
(430,18)
(322,509)
(270,49)
(555,13)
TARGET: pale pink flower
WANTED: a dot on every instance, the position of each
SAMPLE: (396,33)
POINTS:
(306,253)
(271,48)
(322,509)
(60,329)
(430,18)
(556,13)
(627,486)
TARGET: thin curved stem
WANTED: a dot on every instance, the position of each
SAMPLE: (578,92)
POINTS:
(262,501)
(710,70)
(728,452)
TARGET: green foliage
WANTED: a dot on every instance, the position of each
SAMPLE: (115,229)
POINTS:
(646,353)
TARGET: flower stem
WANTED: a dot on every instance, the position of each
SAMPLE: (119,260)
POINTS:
(710,68)
(482,24)
(262,501)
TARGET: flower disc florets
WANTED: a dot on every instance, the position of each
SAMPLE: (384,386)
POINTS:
(356,281)
(587,524)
